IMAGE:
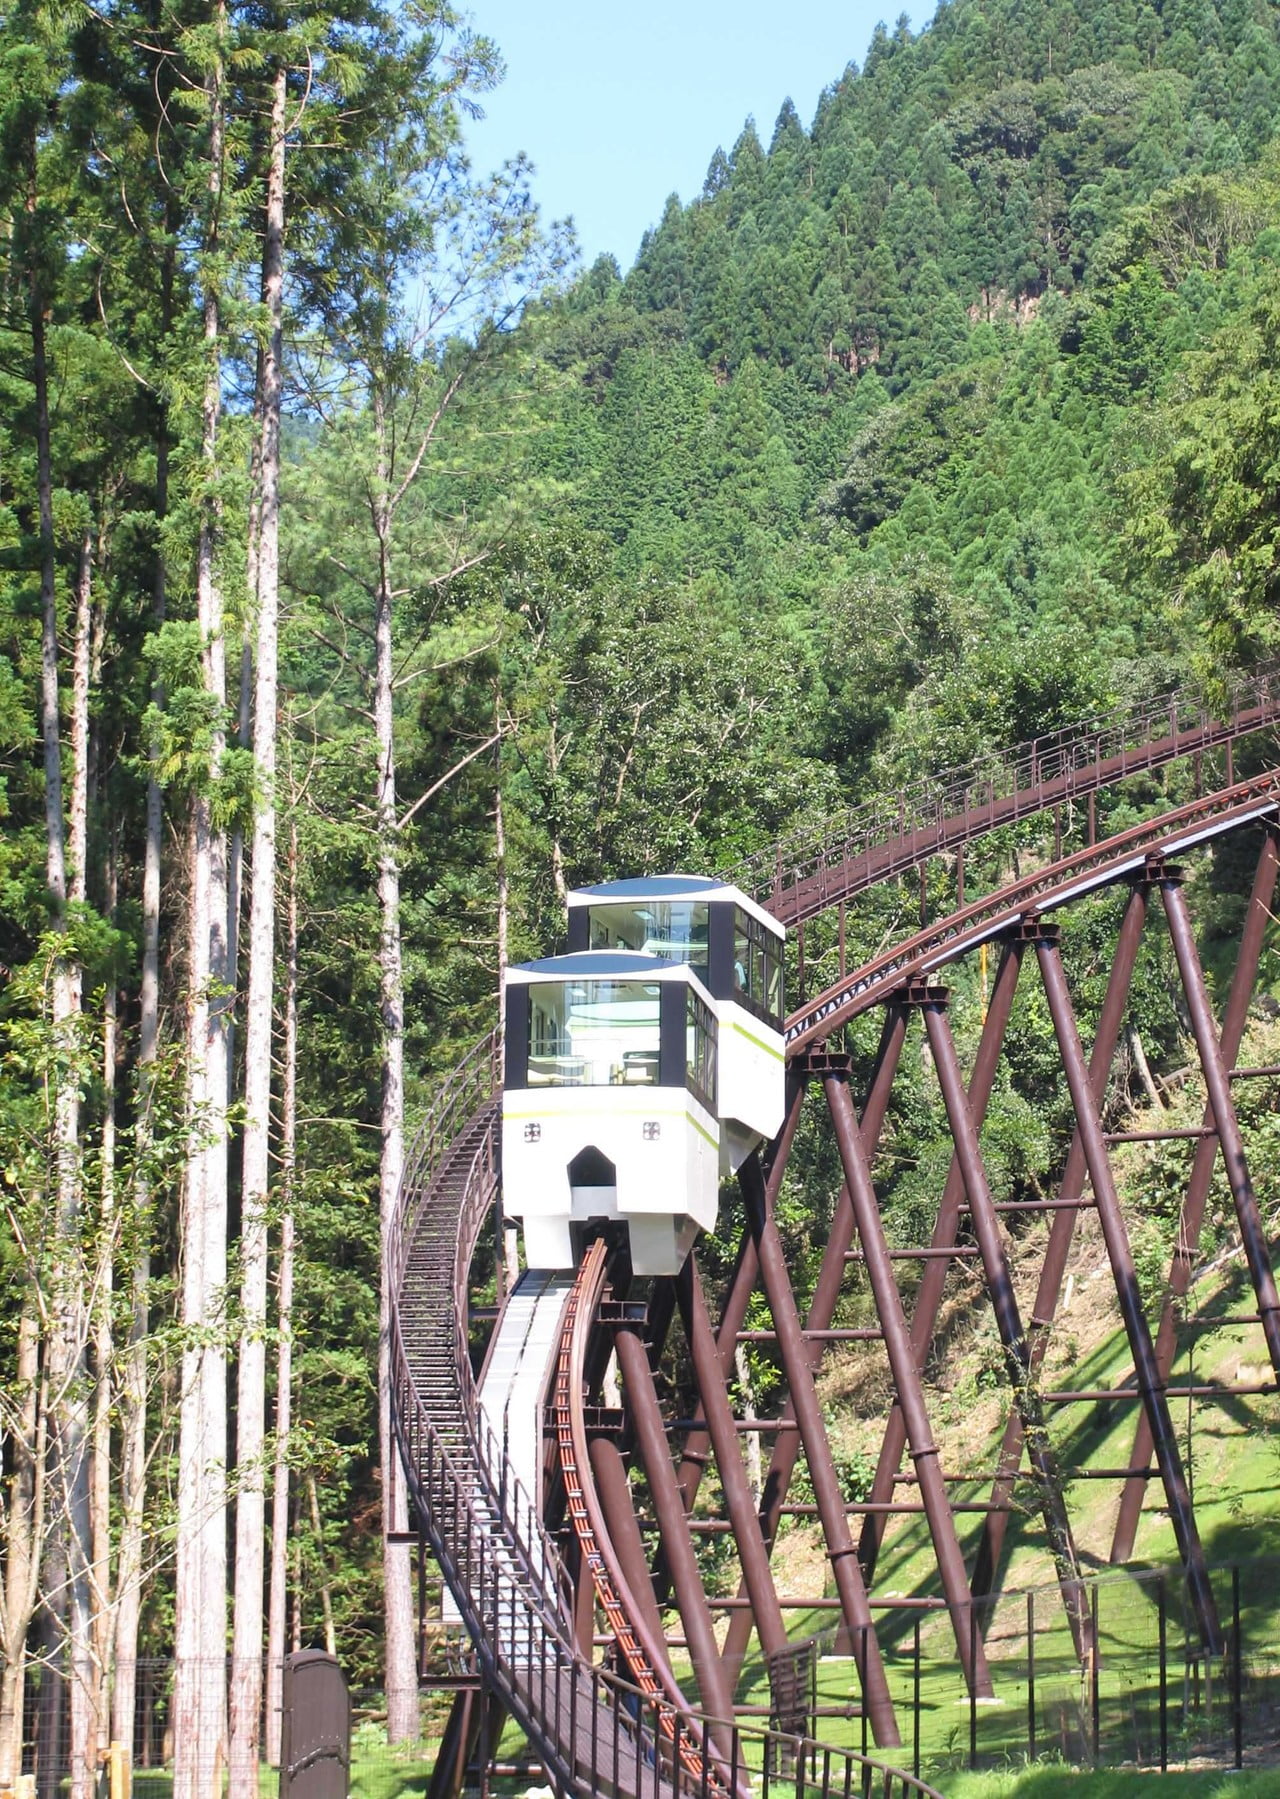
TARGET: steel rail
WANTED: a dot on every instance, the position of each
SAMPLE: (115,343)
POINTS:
(817,868)
(1072,878)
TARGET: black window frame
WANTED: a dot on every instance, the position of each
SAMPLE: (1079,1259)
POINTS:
(720,979)
(703,1020)
(765,952)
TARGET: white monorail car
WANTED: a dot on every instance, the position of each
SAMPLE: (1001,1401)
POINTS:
(641,1067)
(736,949)
(609,1106)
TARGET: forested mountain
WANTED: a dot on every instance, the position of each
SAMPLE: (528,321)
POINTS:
(370,574)
(898,367)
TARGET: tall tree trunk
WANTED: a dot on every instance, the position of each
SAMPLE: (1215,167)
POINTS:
(20,1577)
(504,890)
(279,1582)
(104,1352)
(751,1442)
(555,752)
(201,1558)
(133,1383)
(246,1667)
(326,1594)
(401,1669)
(244,710)
(68,1374)
(509,1271)
(78,811)
(1144,1069)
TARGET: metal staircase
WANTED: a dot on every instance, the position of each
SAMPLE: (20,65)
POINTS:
(594,1733)
(505,1577)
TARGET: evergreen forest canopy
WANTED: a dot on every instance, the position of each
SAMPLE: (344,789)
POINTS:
(371,574)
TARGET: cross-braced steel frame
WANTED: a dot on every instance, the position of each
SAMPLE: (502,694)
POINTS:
(968,1230)
(625,1468)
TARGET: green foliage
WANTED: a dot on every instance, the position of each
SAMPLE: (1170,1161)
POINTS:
(1202,507)
(940,423)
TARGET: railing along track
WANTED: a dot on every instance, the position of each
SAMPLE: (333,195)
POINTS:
(816,868)
(596,1732)
(1044,891)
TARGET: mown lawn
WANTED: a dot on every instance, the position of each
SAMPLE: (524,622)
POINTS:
(1066,1783)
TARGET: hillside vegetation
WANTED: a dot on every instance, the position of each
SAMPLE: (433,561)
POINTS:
(942,420)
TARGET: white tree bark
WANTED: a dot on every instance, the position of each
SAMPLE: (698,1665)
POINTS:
(68,1374)
(504,894)
(326,1594)
(279,1582)
(133,1378)
(555,751)
(1143,1067)
(78,810)
(24,1431)
(246,1668)
(507,1270)
(755,1469)
(103,1353)
(401,1668)
(199,1705)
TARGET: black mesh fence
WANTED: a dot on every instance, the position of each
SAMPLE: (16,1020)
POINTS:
(144,1766)
(1168,1687)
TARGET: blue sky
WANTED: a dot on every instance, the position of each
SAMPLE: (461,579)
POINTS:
(619,106)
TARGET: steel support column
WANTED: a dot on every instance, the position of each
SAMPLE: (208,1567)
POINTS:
(933,1281)
(1004,1303)
(618,1507)
(822,1471)
(826,1294)
(1120,1255)
(754,1557)
(584,1600)
(677,1544)
(1252,1235)
(738,1297)
(457,1741)
(1252,938)
(906,1379)
(1061,1232)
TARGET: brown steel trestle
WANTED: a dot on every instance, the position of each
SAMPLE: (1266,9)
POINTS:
(967,1256)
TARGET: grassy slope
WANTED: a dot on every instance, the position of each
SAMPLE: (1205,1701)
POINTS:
(1235,1470)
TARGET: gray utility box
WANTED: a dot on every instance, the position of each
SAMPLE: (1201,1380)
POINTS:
(315,1729)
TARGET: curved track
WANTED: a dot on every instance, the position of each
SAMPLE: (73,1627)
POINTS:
(594,1728)
(814,869)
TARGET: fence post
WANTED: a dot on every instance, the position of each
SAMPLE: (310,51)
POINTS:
(973,1685)
(1237,1680)
(1094,1695)
(1031,1676)
(915,1699)
(1164,1674)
